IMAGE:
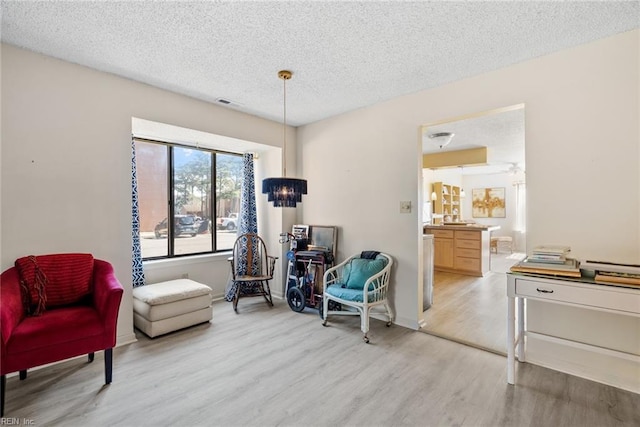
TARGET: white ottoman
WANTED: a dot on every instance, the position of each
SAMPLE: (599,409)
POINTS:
(165,307)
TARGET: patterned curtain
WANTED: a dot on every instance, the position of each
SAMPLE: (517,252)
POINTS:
(248,221)
(248,218)
(137,270)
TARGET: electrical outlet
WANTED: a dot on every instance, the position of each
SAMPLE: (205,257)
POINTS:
(405,207)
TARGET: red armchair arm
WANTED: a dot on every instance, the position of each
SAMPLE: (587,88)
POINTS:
(107,294)
(11,308)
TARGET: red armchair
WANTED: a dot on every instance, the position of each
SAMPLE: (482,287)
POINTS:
(54,307)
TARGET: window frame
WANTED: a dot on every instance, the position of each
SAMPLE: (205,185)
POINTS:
(212,205)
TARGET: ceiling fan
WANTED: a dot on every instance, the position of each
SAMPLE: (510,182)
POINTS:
(495,168)
(514,169)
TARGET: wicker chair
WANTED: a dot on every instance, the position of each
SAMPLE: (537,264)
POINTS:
(361,284)
(251,269)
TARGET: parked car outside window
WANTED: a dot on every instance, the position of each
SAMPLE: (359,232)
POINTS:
(228,223)
(183,224)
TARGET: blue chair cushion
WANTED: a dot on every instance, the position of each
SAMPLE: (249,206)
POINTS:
(354,295)
(359,270)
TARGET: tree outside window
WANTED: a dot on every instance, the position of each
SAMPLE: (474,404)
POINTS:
(178,215)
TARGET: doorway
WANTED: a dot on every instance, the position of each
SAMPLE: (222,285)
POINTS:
(469,309)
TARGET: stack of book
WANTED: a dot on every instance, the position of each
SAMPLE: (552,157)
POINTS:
(550,254)
(550,260)
(611,273)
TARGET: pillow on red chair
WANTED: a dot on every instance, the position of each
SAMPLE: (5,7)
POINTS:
(54,280)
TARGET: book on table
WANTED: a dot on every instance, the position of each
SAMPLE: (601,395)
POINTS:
(569,268)
(567,264)
(552,248)
(547,258)
(557,250)
(613,273)
(611,278)
(551,254)
(612,267)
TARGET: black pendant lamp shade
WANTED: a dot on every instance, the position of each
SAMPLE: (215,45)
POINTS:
(284,192)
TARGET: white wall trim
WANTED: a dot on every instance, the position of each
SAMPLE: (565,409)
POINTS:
(613,368)
(126,339)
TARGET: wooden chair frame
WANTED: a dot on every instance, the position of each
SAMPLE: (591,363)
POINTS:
(250,250)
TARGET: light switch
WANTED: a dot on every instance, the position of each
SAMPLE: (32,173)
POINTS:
(405,207)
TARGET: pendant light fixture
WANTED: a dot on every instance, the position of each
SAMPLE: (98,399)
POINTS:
(284,192)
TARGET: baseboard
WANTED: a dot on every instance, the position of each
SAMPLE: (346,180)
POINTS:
(422,323)
(126,339)
(621,370)
(220,297)
(464,342)
(407,323)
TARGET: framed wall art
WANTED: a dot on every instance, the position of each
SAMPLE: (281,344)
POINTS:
(488,203)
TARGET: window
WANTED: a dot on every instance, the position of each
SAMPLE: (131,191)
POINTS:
(178,216)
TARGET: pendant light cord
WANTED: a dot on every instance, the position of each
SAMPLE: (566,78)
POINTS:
(284,128)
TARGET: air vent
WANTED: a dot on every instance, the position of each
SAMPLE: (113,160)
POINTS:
(230,104)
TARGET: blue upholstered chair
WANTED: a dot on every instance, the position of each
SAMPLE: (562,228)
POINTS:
(356,286)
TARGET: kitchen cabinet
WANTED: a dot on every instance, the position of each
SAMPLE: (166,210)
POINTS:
(462,249)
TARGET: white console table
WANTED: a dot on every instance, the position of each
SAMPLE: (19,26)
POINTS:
(579,292)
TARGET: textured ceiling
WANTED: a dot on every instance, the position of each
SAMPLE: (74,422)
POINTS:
(501,132)
(344,55)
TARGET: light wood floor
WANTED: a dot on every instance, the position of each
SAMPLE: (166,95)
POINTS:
(273,367)
(472,310)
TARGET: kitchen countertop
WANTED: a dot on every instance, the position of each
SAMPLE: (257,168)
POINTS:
(480,227)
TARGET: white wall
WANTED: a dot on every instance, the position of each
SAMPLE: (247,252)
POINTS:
(582,156)
(66,163)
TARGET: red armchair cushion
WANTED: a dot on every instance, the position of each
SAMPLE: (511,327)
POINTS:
(66,326)
(55,280)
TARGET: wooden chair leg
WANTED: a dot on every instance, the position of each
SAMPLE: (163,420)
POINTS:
(91,356)
(23,375)
(3,385)
(263,291)
(108,365)
(266,292)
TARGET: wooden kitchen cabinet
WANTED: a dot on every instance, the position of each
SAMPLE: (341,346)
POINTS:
(468,251)
(442,252)
(461,249)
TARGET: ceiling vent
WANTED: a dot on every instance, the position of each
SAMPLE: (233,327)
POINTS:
(228,103)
